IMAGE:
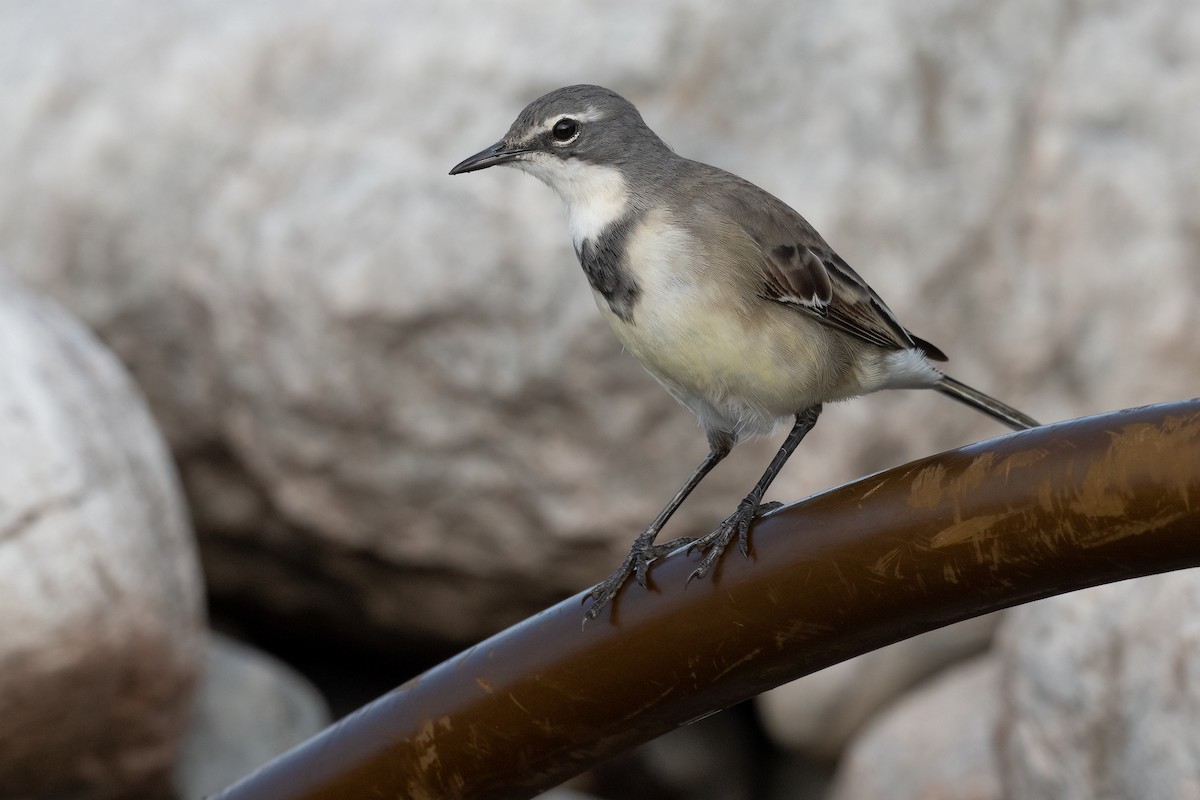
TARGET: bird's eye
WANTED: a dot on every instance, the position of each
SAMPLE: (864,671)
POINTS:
(564,130)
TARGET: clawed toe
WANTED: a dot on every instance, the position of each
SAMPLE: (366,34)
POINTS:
(637,564)
(643,554)
(737,525)
(602,593)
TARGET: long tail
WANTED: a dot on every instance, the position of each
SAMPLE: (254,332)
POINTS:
(985,403)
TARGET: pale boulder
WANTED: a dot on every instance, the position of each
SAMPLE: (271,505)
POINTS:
(938,743)
(1102,693)
(1092,694)
(101,608)
(249,708)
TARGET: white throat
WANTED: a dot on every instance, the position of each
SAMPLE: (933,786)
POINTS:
(595,196)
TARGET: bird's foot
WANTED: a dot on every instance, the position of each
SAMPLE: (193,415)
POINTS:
(737,525)
(637,564)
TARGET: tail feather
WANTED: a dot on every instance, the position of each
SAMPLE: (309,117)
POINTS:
(985,403)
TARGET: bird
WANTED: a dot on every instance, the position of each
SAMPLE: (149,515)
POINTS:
(725,294)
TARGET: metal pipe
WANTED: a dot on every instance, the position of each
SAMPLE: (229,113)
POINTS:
(939,540)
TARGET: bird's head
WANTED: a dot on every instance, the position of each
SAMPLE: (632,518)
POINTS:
(560,135)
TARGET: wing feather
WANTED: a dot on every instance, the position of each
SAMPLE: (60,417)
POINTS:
(799,269)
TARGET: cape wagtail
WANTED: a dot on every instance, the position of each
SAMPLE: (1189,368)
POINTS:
(727,296)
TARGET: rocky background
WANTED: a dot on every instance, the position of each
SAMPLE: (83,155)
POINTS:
(399,425)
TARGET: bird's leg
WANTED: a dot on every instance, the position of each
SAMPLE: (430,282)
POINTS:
(738,523)
(644,550)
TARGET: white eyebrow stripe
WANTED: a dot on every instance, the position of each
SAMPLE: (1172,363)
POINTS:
(590,114)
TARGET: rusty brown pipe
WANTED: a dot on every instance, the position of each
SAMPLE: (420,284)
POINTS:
(904,551)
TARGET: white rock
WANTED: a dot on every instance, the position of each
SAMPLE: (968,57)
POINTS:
(250,708)
(102,610)
(936,744)
(1102,693)
(1092,694)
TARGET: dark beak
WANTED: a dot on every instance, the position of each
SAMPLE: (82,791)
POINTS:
(496,154)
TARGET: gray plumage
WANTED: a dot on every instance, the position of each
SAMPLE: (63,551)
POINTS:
(724,293)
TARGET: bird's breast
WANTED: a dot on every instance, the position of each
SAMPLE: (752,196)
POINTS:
(736,361)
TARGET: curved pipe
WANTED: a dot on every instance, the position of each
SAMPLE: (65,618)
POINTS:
(939,540)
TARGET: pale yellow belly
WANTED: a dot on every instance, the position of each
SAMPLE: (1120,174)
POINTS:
(734,371)
(739,362)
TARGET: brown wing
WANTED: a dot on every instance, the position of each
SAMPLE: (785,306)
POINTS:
(794,274)
(799,269)
(863,313)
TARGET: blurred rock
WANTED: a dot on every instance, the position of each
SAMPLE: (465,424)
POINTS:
(394,405)
(1093,694)
(102,609)
(818,714)
(1101,693)
(936,744)
(250,708)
